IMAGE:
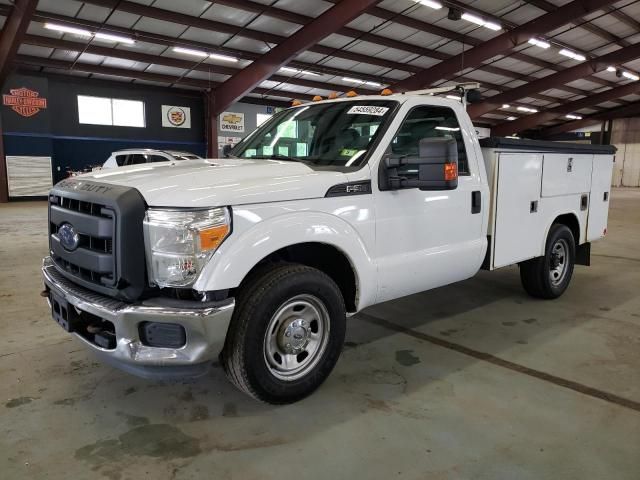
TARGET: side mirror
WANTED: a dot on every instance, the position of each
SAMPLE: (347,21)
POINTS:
(226,150)
(435,167)
(474,96)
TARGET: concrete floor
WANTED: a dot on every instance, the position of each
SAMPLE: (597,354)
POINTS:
(475,380)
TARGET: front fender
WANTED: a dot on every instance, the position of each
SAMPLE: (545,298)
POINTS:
(246,248)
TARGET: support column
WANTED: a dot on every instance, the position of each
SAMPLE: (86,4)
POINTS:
(4,184)
(212,125)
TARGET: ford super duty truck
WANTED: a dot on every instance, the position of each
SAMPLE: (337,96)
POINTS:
(328,208)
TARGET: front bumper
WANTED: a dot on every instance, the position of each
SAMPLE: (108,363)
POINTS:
(206,329)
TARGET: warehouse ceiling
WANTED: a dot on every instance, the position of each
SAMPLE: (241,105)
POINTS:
(581,72)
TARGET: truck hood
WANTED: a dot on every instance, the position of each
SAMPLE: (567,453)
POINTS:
(221,182)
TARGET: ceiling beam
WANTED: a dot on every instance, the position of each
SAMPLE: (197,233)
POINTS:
(269,38)
(533,121)
(167,41)
(631,110)
(251,76)
(584,24)
(48,42)
(64,66)
(166,15)
(571,74)
(12,34)
(389,16)
(159,39)
(501,44)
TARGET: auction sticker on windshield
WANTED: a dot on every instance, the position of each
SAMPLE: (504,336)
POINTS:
(368,110)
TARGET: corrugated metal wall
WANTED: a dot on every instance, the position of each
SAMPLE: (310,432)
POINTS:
(626,136)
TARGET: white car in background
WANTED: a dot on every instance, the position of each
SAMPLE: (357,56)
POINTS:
(124,158)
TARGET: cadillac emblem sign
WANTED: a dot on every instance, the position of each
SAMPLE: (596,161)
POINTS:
(176,116)
(24,102)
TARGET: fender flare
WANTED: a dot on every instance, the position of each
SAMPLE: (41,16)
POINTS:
(548,229)
(235,259)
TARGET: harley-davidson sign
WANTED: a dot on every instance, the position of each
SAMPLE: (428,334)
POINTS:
(24,102)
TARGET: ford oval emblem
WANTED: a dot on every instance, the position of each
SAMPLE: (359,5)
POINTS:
(69,239)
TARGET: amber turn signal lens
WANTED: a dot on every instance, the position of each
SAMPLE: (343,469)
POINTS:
(450,171)
(212,237)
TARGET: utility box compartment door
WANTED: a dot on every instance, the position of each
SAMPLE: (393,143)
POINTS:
(600,192)
(566,174)
(518,227)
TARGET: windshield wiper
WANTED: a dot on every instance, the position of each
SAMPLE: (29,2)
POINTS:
(284,158)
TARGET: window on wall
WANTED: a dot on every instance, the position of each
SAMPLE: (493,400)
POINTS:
(261,118)
(110,111)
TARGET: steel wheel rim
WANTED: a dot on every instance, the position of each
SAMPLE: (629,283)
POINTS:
(296,337)
(559,264)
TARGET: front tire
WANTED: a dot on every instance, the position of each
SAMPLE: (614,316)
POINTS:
(549,276)
(286,333)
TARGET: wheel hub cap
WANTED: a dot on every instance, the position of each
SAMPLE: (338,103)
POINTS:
(558,262)
(295,336)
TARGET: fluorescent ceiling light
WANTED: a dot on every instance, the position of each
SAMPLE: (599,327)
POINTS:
(114,38)
(373,84)
(189,51)
(511,119)
(62,28)
(611,69)
(539,43)
(506,105)
(430,3)
(573,117)
(630,76)
(224,58)
(527,109)
(492,26)
(352,80)
(481,21)
(573,55)
(295,70)
(453,97)
(473,19)
(513,137)
(448,129)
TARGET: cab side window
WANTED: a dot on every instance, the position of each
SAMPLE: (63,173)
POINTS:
(429,122)
(135,159)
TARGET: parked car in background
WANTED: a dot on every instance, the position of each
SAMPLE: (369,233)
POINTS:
(124,158)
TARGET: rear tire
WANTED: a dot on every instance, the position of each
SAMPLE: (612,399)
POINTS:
(286,333)
(549,276)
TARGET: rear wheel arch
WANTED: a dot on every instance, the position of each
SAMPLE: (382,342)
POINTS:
(571,221)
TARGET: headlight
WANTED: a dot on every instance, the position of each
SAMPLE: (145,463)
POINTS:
(180,242)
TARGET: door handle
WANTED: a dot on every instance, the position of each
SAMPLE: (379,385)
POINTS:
(476,202)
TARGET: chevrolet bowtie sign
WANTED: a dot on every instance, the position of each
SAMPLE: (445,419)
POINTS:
(232,122)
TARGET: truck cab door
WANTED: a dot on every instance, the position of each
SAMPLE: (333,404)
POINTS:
(426,239)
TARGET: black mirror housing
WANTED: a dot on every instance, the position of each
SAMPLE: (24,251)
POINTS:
(436,165)
(226,150)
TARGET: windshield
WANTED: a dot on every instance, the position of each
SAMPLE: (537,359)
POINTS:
(330,134)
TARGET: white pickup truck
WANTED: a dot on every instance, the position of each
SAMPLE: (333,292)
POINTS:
(328,208)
